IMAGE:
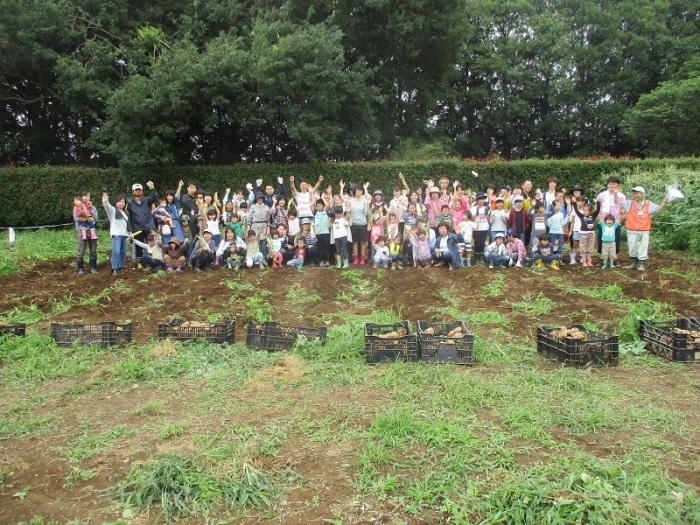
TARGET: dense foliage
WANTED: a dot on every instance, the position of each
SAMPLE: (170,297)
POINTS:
(43,195)
(218,82)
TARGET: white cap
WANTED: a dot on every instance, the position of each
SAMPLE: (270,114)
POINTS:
(136,186)
(517,198)
(207,231)
(640,189)
(499,235)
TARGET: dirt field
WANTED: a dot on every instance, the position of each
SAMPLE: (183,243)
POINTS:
(44,473)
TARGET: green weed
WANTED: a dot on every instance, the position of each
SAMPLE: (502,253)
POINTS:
(183,486)
(91,445)
(690,275)
(644,309)
(23,314)
(538,305)
(487,317)
(611,293)
(258,307)
(172,429)
(495,285)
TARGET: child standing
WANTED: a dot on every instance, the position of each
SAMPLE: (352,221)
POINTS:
(323,233)
(339,229)
(466,230)
(498,218)
(276,246)
(480,213)
(608,234)
(587,233)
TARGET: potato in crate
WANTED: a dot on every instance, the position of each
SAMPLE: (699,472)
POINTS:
(215,332)
(99,334)
(578,346)
(390,342)
(18,329)
(274,336)
(676,339)
(446,343)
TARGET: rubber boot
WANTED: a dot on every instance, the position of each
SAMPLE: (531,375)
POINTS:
(572,258)
(355,259)
(81,266)
(539,263)
(217,261)
(633,264)
(93,264)
(346,263)
(363,260)
(93,235)
(640,266)
(555,265)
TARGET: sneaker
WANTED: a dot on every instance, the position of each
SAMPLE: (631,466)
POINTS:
(261,265)
(81,272)
(237,265)
(374,266)
(93,270)
(490,265)
(518,265)
(169,268)
(178,269)
(197,269)
(400,266)
(299,266)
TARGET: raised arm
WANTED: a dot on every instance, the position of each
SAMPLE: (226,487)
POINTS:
(402,178)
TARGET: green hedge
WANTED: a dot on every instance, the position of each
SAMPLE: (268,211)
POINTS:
(32,196)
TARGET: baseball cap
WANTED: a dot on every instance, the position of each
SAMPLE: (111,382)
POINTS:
(640,189)
(518,198)
(500,235)
(136,186)
(207,231)
(306,221)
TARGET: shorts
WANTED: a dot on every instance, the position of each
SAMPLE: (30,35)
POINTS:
(359,233)
(576,236)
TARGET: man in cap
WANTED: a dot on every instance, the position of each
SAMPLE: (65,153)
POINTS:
(140,217)
(637,217)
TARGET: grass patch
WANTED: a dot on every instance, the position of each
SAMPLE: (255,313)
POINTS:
(172,429)
(537,305)
(450,305)
(91,445)
(257,307)
(184,486)
(611,293)
(487,317)
(690,275)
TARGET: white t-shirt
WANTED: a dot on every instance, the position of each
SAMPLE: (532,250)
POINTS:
(340,228)
(303,204)
(443,244)
(499,220)
(381,252)
(466,228)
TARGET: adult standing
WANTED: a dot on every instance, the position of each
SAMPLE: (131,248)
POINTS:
(358,208)
(611,203)
(528,195)
(303,198)
(172,205)
(638,219)
(189,205)
(118,230)
(83,243)
(140,216)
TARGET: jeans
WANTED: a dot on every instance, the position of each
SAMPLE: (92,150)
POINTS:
(547,258)
(258,258)
(147,260)
(496,259)
(118,252)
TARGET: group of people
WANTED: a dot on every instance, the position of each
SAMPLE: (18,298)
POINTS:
(431,225)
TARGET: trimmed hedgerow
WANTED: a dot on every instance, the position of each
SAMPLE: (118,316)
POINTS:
(39,195)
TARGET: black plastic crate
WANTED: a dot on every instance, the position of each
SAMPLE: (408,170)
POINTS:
(378,349)
(99,334)
(274,336)
(18,329)
(215,332)
(596,350)
(663,341)
(438,347)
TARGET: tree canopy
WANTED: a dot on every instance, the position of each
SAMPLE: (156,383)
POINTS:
(223,81)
